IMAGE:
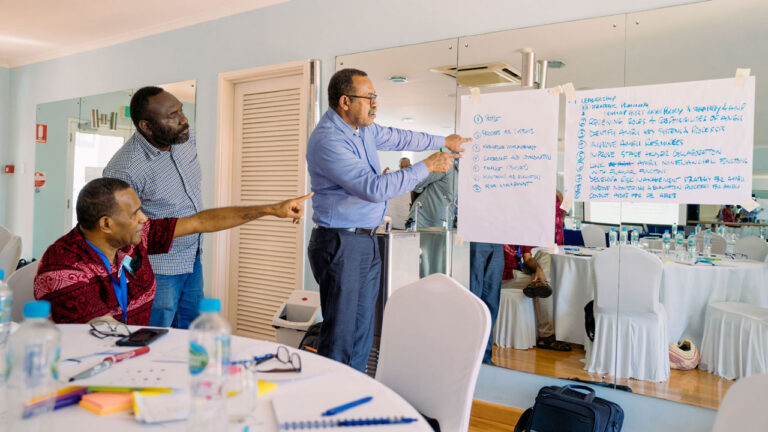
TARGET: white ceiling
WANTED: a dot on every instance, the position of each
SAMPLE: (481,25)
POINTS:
(37,30)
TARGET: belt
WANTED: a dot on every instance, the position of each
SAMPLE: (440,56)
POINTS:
(366,231)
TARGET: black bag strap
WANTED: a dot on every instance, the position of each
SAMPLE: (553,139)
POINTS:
(522,423)
(589,397)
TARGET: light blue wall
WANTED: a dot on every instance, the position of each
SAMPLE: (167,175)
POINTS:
(5,150)
(291,31)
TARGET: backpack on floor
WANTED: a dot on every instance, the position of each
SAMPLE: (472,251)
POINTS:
(310,340)
(571,408)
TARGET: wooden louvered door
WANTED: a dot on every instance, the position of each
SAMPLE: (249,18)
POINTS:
(270,134)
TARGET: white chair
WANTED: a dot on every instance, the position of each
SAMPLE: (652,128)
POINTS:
(735,342)
(753,247)
(5,235)
(9,255)
(516,322)
(22,283)
(630,322)
(743,407)
(718,243)
(433,341)
(593,236)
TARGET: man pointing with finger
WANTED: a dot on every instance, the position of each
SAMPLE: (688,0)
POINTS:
(350,202)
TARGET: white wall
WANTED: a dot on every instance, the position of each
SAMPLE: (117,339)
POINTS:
(4,144)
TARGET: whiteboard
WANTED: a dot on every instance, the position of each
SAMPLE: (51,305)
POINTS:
(685,142)
(507,176)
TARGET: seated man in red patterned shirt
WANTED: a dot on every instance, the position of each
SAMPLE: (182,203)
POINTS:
(520,270)
(101,268)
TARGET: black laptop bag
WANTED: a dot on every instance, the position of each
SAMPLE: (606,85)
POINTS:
(571,408)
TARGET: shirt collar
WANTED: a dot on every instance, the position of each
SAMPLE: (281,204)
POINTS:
(148,148)
(341,124)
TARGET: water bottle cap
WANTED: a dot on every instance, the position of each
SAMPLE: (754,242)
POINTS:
(210,305)
(37,309)
(2,274)
(666,231)
(623,228)
(613,229)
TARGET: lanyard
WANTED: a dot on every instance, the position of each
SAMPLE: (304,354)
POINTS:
(121,289)
(519,258)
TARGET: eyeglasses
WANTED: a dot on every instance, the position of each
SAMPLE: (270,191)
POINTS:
(105,329)
(371,99)
(282,355)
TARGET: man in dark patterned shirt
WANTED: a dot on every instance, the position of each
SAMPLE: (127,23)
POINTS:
(101,268)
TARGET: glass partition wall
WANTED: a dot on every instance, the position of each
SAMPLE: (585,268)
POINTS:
(82,135)
(595,287)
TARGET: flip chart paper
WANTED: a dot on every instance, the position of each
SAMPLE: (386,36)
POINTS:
(507,176)
(688,142)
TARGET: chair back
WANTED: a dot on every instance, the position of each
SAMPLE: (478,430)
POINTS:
(5,235)
(22,283)
(9,255)
(628,278)
(753,247)
(432,344)
(718,243)
(593,235)
(743,408)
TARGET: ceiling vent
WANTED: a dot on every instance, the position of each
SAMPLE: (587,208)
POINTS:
(482,75)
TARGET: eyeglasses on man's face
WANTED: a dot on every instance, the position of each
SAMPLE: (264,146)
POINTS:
(371,99)
(105,329)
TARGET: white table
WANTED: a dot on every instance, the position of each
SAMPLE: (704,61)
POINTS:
(170,352)
(685,292)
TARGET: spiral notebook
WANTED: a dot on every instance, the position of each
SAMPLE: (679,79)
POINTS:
(302,408)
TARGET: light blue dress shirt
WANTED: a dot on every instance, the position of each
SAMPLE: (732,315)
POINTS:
(350,191)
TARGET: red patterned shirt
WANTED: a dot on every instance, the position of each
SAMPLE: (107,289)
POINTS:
(513,259)
(73,278)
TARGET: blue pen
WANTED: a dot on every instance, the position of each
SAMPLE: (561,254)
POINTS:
(347,406)
(571,249)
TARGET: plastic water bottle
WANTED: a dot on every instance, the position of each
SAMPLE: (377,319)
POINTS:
(612,238)
(577,224)
(762,232)
(698,228)
(674,228)
(6,306)
(707,249)
(691,248)
(679,245)
(209,342)
(623,236)
(665,242)
(721,230)
(33,357)
(635,238)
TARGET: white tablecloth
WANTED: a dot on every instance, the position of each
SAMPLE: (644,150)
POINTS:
(685,292)
(170,352)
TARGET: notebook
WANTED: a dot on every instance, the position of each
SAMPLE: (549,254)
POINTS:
(303,406)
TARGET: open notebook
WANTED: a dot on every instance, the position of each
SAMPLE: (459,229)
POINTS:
(302,408)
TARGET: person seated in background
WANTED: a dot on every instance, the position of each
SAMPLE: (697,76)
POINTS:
(528,273)
(727,214)
(101,270)
(559,219)
(398,207)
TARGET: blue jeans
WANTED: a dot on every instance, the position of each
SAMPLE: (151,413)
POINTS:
(486,268)
(347,266)
(177,300)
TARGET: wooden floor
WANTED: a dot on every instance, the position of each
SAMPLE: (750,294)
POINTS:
(696,387)
(488,417)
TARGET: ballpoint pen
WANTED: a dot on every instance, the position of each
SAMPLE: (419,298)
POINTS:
(108,362)
(347,406)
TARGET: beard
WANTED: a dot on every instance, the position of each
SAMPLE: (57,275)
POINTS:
(166,137)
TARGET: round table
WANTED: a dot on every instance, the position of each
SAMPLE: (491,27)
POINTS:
(168,360)
(685,292)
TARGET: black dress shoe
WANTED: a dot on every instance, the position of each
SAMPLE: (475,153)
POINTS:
(538,289)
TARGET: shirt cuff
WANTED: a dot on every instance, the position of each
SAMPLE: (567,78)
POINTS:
(439,142)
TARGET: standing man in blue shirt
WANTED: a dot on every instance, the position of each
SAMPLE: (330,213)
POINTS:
(349,203)
(160,163)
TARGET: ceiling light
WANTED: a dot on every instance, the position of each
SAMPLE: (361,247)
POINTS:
(398,79)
